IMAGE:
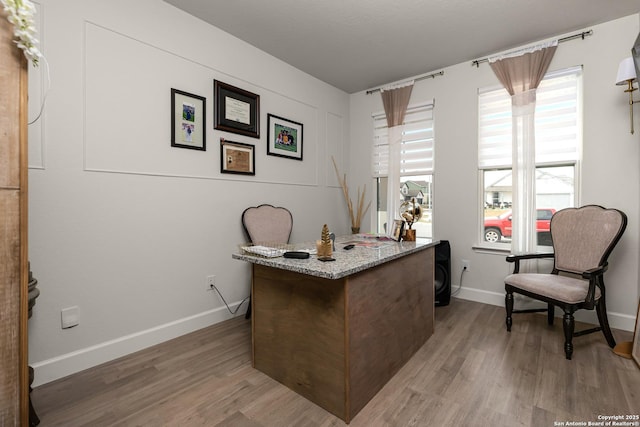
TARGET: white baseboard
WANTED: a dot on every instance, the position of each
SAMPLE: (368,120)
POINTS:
(620,321)
(70,363)
(79,360)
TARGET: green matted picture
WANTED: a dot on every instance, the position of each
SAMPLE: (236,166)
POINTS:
(284,138)
(188,115)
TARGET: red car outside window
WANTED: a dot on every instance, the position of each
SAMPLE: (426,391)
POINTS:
(497,227)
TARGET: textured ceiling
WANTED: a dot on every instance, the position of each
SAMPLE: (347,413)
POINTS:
(359,44)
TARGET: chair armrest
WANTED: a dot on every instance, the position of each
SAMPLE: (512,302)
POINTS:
(594,276)
(515,258)
(598,271)
(518,258)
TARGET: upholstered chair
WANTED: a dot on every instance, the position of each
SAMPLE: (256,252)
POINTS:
(265,225)
(582,238)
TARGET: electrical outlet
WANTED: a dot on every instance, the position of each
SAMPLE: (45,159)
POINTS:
(466,264)
(211,282)
(70,317)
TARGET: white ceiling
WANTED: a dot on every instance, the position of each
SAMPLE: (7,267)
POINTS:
(360,44)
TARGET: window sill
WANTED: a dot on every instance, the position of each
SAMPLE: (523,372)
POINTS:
(492,250)
(496,250)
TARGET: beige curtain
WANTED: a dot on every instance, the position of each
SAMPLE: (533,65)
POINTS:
(520,73)
(395,100)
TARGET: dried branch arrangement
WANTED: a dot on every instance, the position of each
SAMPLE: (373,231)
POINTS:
(356,217)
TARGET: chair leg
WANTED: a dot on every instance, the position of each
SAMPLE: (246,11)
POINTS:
(601,310)
(508,303)
(569,325)
(550,313)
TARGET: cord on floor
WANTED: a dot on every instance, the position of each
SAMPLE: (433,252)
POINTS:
(454,293)
(233,312)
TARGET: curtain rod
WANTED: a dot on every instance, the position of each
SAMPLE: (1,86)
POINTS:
(432,75)
(581,35)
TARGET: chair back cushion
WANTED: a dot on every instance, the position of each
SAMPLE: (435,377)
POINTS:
(584,237)
(267,224)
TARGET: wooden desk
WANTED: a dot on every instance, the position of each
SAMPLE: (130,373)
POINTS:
(337,332)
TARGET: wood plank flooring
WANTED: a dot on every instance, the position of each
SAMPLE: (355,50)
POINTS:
(471,372)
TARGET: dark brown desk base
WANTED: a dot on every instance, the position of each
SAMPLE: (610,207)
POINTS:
(338,342)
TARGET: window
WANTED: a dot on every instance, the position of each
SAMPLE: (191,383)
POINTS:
(416,166)
(558,132)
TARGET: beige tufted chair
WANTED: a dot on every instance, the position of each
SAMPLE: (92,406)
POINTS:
(583,239)
(267,225)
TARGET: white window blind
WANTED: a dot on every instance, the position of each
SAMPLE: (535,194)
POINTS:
(558,124)
(416,157)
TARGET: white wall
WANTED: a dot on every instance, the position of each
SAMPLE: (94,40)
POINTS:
(126,227)
(609,167)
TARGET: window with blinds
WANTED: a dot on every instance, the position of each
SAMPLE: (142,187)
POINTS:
(416,156)
(416,165)
(557,121)
(558,142)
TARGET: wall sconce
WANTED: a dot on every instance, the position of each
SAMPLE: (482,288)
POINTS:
(626,76)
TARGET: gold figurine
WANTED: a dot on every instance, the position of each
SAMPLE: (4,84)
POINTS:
(324,245)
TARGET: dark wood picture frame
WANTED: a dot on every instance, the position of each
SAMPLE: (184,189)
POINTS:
(237,158)
(188,120)
(237,110)
(284,137)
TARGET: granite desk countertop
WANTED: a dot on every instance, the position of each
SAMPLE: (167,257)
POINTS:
(368,252)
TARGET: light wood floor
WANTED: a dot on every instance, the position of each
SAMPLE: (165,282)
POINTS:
(471,372)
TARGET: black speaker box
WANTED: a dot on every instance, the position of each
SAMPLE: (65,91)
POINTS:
(442,281)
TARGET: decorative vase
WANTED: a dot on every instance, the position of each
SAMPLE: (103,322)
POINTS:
(355,230)
(409,235)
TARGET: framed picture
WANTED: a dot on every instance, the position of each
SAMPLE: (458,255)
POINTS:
(284,138)
(236,157)
(397,226)
(635,348)
(237,110)
(188,113)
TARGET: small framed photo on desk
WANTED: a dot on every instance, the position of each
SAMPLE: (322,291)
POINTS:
(396,229)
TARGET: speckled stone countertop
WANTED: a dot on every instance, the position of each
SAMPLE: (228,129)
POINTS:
(368,252)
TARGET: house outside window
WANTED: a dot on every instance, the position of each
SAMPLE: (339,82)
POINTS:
(416,168)
(558,133)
